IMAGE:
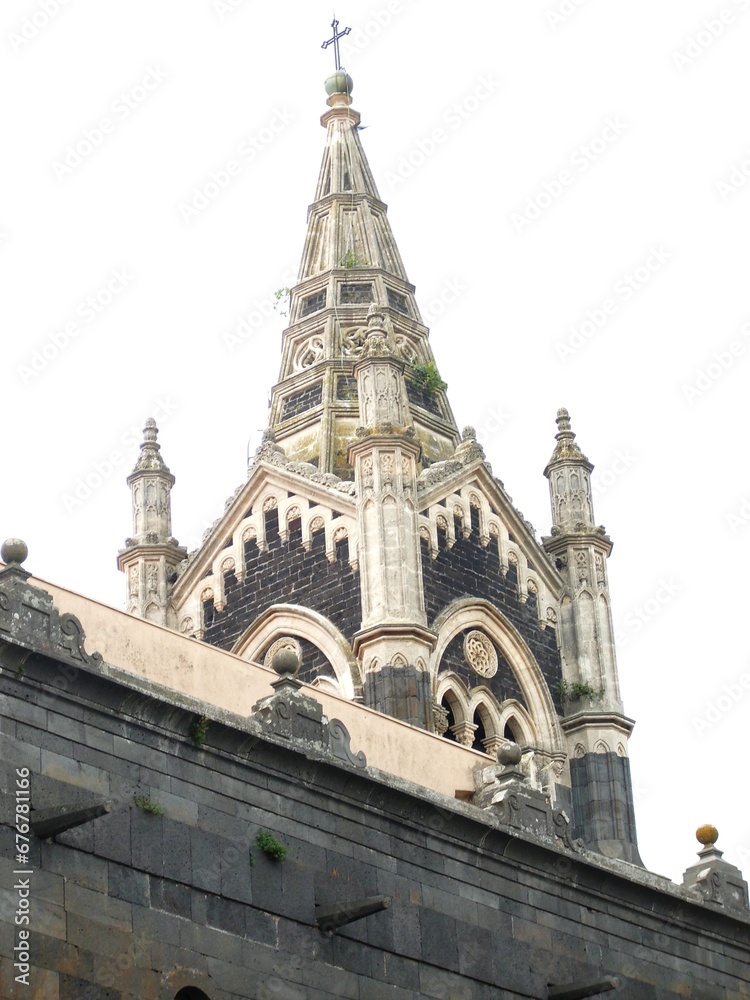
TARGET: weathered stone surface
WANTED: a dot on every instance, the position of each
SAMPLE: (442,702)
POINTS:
(476,910)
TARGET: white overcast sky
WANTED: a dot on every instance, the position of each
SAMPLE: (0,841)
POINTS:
(625,121)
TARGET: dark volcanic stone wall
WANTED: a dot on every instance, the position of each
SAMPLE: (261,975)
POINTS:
(503,685)
(287,574)
(139,906)
(603,809)
(469,570)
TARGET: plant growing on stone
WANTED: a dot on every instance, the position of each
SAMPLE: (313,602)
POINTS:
(271,846)
(584,691)
(577,691)
(426,378)
(198,730)
(281,301)
(350,259)
(148,805)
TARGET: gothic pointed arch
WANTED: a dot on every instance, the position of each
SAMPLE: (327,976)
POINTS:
(295,620)
(516,724)
(485,708)
(469,613)
(451,692)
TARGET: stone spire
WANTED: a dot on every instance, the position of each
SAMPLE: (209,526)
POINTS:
(151,556)
(350,261)
(597,731)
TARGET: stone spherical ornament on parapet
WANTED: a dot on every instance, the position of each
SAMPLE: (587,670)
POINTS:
(14,551)
(509,755)
(707,835)
(286,663)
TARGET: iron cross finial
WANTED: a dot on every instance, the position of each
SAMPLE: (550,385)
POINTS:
(335,40)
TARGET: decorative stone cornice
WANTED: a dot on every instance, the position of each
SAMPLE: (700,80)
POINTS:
(418,633)
(597,720)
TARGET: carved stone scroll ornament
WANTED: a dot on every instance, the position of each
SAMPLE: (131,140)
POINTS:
(309,353)
(339,744)
(354,341)
(29,618)
(405,350)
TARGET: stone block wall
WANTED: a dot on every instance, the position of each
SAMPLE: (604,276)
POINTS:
(287,574)
(138,905)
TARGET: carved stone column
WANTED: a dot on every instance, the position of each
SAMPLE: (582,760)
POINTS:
(394,644)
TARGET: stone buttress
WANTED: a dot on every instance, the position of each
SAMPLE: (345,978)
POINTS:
(596,728)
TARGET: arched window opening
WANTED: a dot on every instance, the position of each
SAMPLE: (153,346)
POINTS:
(512,732)
(481,732)
(191,993)
(446,704)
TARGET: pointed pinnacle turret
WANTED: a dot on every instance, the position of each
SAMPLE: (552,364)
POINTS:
(151,483)
(150,457)
(579,550)
(151,556)
(566,448)
(569,474)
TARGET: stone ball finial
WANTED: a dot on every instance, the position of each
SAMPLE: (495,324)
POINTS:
(339,83)
(509,754)
(14,550)
(468,434)
(707,835)
(285,663)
